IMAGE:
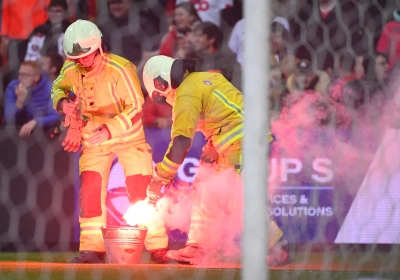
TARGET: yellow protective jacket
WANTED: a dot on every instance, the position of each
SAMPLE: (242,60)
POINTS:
(110,94)
(209,103)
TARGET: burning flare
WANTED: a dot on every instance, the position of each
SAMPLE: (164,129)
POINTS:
(141,213)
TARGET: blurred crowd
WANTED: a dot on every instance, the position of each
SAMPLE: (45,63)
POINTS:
(342,54)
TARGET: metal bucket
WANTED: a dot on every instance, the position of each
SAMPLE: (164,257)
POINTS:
(124,244)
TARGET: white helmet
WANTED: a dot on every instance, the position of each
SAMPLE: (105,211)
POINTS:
(81,39)
(162,73)
(157,75)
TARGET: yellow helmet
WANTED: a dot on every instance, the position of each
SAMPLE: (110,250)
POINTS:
(81,38)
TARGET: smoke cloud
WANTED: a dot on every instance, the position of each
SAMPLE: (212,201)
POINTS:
(314,126)
(217,200)
(310,126)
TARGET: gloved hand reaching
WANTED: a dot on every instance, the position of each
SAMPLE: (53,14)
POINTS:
(210,154)
(154,188)
(154,191)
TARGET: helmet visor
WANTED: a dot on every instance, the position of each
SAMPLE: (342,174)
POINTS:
(161,85)
(77,50)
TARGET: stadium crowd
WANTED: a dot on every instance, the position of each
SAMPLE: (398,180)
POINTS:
(343,52)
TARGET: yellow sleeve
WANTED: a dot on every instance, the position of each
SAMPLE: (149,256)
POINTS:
(166,170)
(186,113)
(129,91)
(62,85)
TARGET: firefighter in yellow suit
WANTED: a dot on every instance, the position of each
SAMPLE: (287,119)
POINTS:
(105,118)
(205,102)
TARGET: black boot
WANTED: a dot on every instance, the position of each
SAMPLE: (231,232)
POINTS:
(89,257)
(160,257)
(190,254)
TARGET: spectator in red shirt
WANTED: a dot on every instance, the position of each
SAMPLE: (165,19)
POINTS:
(185,15)
(17,22)
(389,41)
(346,72)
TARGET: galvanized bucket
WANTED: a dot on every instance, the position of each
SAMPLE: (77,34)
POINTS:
(124,244)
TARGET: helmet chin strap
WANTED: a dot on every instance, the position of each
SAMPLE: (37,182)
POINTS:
(102,53)
(170,97)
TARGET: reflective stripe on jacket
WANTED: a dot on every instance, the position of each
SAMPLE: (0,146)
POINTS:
(110,95)
(209,103)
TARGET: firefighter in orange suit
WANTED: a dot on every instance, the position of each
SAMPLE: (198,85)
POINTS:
(206,102)
(105,117)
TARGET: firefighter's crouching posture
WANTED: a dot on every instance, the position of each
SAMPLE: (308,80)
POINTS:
(209,103)
(106,119)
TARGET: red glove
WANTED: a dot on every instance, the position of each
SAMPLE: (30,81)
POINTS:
(72,140)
